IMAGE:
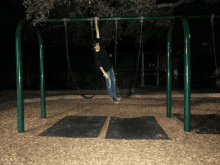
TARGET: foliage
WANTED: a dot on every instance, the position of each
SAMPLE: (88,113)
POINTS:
(40,10)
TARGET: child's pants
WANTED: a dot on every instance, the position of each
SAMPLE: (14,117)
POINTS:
(111,83)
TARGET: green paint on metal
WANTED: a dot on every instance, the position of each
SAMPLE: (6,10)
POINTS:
(111,19)
(130,18)
(169,74)
(19,77)
(187,71)
(42,77)
(201,16)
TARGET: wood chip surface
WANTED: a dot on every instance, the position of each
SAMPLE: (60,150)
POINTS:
(183,148)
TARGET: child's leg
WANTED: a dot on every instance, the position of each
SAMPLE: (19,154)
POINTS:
(109,85)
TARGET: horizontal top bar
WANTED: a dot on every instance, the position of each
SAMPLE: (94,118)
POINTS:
(130,18)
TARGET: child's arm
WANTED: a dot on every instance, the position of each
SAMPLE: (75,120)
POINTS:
(96,27)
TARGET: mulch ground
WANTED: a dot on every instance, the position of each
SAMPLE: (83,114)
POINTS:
(183,148)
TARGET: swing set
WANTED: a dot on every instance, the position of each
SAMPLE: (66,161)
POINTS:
(187,68)
(124,94)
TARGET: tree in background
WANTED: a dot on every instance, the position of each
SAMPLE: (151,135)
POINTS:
(40,10)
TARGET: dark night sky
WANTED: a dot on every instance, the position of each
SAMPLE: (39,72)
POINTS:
(55,57)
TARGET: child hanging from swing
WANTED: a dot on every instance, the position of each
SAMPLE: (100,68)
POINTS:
(103,62)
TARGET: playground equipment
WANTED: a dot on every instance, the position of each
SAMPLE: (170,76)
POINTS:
(68,61)
(187,69)
(217,79)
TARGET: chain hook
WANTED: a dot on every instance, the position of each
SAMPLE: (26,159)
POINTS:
(64,22)
(116,22)
(142,20)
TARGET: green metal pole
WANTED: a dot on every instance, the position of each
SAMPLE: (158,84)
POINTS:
(201,16)
(42,77)
(111,19)
(187,75)
(132,18)
(19,77)
(169,75)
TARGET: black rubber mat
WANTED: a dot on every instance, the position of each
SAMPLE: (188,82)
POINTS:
(203,124)
(76,127)
(135,128)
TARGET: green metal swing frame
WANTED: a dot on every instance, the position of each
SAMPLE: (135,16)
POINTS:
(187,68)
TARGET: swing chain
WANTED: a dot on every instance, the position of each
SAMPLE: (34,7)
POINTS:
(68,62)
(116,33)
(142,20)
(138,53)
(64,22)
(116,22)
(213,15)
(91,21)
(213,37)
